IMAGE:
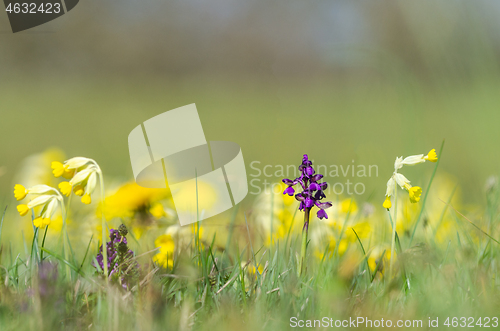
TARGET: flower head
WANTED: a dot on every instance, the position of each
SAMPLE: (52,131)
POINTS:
(82,173)
(432,156)
(121,265)
(414,192)
(312,188)
(47,200)
(59,169)
(165,256)
(20,192)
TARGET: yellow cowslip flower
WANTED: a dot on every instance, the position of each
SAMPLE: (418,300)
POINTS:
(432,156)
(65,188)
(48,199)
(387,203)
(59,169)
(83,178)
(20,192)
(414,192)
(23,209)
(165,256)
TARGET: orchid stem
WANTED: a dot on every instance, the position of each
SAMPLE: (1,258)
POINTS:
(305,231)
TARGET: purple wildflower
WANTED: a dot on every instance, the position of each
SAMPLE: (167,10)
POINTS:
(120,258)
(312,189)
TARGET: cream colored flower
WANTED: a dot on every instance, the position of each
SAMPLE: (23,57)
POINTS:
(48,199)
(414,192)
(84,179)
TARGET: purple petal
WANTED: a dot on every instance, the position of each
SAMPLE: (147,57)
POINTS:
(288,181)
(309,171)
(289,190)
(314,187)
(319,195)
(316,177)
(323,205)
(300,197)
(322,214)
(323,185)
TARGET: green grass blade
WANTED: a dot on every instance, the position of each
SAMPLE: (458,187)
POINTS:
(426,195)
(364,254)
(63,260)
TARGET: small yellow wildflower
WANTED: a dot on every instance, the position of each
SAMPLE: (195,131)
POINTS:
(415,193)
(252,270)
(157,210)
(83,173)
(40,222)
(20,192)
(49,199)
(23,209)
(79,190)
(59,169)
(65,188)
(387,203)
(165,257)
(398,179)
(348,205)
(86,199)
(432,156)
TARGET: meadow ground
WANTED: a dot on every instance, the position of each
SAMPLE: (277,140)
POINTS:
(241,270)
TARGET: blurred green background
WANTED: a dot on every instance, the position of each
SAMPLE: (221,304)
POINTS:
(339,80)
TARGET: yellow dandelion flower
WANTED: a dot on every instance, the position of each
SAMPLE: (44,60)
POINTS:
(164,258)
(165,240)
(157,210)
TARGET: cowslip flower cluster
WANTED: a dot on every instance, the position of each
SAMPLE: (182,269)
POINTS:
(414,192)
(312,189)
(120,263)
(47,200)
(82,172)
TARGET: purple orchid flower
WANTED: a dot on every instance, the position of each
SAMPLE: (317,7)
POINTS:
(312,189)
